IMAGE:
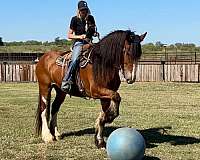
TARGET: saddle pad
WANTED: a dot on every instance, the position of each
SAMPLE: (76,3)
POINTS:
(84,59)
(63,60)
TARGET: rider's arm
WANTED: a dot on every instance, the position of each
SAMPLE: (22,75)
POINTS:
(72,36)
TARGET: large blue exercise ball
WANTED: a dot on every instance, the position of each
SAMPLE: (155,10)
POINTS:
(125,144)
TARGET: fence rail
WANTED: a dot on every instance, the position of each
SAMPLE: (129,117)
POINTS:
(156,57)
(18,57)
(171,57)
(146,72)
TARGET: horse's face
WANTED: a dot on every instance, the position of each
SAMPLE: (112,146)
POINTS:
(132,53)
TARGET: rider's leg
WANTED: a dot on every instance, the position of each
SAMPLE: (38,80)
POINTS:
(67,80)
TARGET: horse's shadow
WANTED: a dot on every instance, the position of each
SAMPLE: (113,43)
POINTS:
(152,136)
(161,135)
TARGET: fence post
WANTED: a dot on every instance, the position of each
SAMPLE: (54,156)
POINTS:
(163,70)
(198,73)
(4,63)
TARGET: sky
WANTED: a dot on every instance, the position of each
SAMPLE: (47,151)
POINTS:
(167,21)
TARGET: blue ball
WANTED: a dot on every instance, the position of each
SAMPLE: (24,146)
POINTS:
(125,144)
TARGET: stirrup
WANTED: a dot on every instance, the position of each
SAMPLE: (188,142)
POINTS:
(66,86)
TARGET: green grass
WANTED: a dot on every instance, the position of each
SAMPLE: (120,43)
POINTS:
(167,114)
(32,48)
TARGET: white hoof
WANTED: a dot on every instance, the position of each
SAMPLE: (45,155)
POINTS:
(47,138)
(57,134)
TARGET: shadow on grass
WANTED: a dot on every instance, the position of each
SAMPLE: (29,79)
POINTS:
(160,135)
(150,158)
(152,136)
(91,131)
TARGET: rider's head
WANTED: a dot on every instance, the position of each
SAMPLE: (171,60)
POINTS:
(83,9)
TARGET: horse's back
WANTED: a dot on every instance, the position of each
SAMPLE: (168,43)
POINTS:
(50,55)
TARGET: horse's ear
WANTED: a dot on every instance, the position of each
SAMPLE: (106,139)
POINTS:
(143,36)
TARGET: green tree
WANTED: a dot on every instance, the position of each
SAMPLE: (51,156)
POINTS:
(159,44)
(148,47)
(1,42)
(61,42)
(32,42)
(57,40)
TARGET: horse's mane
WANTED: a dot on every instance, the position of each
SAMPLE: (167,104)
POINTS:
(107,55)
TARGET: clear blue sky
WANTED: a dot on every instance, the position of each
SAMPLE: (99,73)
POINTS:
(167,21)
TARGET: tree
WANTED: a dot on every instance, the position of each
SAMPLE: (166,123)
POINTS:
(178,45)
(1,42)
(57,40)
(158,44)
(148,47)
(32,42)
(61,42)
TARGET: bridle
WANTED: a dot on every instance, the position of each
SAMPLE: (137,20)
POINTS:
(132,40)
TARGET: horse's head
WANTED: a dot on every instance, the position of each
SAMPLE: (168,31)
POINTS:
(117,50)
(131,54)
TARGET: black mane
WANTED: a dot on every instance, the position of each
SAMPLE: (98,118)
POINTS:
(107,55)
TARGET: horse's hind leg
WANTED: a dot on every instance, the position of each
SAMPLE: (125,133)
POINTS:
(60,96)
(42,115)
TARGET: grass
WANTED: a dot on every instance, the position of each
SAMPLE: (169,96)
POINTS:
(167,114)
(32,48)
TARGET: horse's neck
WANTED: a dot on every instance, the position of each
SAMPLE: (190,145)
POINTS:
(115,81)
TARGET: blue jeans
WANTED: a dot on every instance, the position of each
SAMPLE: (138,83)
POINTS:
(75,54)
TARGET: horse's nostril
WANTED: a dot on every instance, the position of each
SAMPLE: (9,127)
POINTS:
(129,81)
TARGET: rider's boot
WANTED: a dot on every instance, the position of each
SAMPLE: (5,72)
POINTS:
(68,79)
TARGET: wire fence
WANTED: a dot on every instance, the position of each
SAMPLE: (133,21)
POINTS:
(171,57)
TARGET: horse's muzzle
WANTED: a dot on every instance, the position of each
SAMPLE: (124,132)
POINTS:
(131,81)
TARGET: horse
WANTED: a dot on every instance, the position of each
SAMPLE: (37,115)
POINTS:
(119,50)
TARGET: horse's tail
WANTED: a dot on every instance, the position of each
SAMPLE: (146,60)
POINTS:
(38,118)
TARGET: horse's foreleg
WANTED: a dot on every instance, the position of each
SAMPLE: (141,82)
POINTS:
(99,126)
(60,96)
(110,110)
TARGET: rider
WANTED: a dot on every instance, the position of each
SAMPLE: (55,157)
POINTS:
(77,33)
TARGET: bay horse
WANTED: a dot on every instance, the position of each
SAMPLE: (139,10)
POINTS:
(119,50)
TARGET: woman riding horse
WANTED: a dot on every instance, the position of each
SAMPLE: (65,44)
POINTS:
(77,32)
(119,50)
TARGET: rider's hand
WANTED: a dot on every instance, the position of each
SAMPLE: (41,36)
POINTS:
(83,36)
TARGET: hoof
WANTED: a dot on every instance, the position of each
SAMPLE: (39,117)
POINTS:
(101,144)
(57,136)
(48,138)
(55,133)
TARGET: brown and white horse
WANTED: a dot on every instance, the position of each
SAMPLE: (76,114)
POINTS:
(119,50)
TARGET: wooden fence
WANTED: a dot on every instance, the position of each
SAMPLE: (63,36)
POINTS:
(17,73)
(146,72)
(168,72)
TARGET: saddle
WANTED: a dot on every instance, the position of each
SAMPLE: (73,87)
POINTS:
(64,60)
(84,58)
